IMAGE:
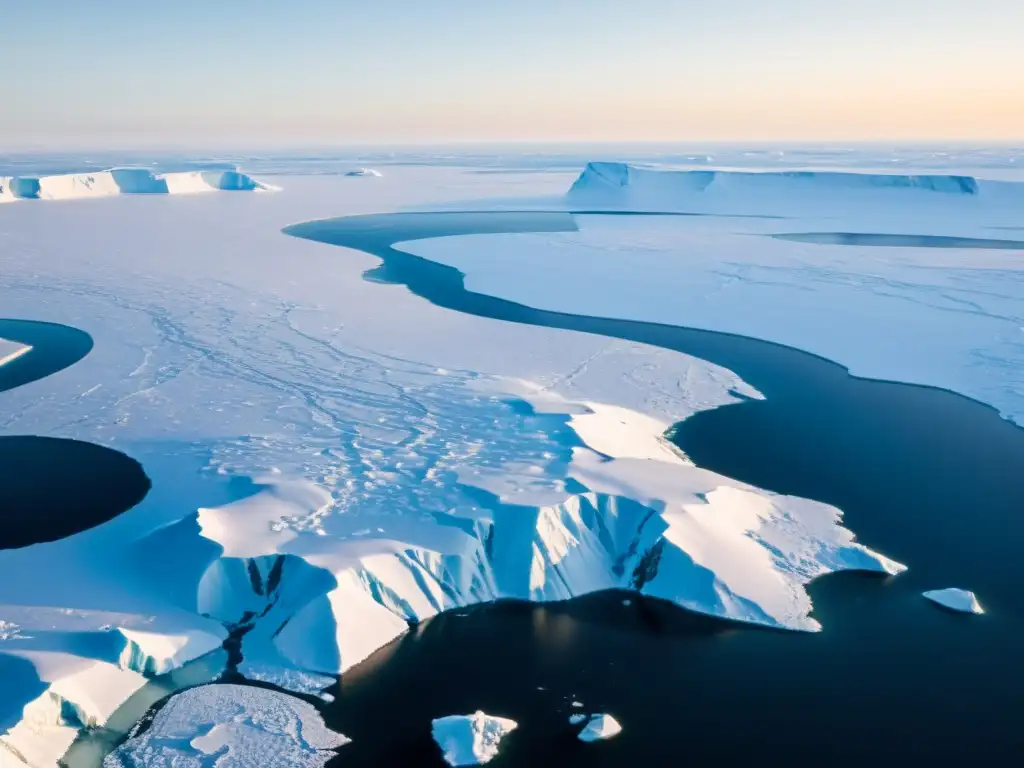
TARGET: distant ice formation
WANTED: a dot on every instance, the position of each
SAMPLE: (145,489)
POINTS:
(955,599)
(364,172)
(470,739)
(231,725)
(11,350)
(123,181)
(600,727)
(623,186)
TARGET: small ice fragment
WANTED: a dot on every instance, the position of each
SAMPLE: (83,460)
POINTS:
(470,739)
(576,719)
(600,727)
(955,599)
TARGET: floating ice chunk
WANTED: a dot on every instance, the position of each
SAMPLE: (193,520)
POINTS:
(600,727)
(955,599)
(124,181)
(364,172)
(11,350)
(576,719)
(470,739)
(231,725)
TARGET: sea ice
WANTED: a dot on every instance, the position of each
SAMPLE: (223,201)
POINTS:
(470,739)
(955,599)
(231,726)
(600,727)
(945,317)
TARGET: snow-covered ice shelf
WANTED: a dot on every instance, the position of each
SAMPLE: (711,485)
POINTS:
(961,600)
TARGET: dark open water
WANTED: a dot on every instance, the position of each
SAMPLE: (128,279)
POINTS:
(926,476)
(51,488)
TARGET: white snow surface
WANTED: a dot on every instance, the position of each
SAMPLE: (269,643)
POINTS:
(470,739)
(231,726)
(955,599)
(12,350)
(339,458)
(951,317)
(123,181)
(599,728)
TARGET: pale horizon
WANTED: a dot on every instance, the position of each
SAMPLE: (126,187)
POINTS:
(319,73)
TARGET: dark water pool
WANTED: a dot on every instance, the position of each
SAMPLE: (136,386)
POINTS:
(54,348)
(926,476)
(51,488)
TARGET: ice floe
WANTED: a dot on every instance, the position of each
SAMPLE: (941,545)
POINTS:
(231,725)
(470,739)
(12,350)
(955,599)
(599,728)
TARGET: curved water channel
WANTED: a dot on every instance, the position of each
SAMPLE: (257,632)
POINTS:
(930,478)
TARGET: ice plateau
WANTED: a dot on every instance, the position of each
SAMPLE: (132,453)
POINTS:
(470,739)
(231,726)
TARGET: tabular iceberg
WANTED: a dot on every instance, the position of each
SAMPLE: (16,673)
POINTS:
(123,181)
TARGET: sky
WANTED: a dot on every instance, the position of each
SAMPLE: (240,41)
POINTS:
(270,72)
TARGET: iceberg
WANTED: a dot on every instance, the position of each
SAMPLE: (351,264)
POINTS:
(364,172)
(620,186)
(234,725)
(599,728)
(470,739)
(124,181)
(955,599)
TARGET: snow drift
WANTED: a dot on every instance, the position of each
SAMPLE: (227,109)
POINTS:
(123,181)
